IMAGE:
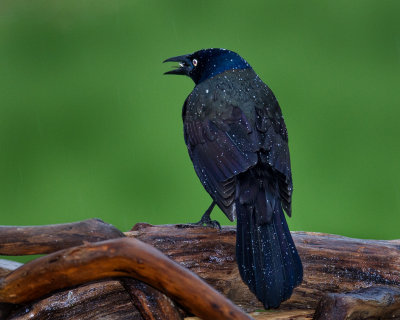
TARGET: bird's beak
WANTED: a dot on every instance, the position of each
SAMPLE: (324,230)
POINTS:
(185,65)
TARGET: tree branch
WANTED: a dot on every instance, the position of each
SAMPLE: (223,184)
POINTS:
(332,264)
(116,258)
(15,241)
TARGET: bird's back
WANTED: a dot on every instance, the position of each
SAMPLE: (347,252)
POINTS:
(243,113)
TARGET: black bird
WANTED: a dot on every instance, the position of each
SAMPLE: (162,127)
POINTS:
(238,143)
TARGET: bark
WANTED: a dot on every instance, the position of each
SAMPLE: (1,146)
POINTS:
(99,300)
(331,263)
(116,258)
(333,267)
(21,240)
(151,303)
(366,303)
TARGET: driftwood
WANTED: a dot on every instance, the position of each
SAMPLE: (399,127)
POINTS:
(366,303)
(150,302)
(333,265)
(106,299)
(116,258)
(17,241)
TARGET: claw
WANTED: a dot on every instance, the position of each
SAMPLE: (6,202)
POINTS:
(206,220)
(208,223)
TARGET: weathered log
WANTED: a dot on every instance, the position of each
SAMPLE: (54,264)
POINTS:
(16,241)
(332,264)
(151,303)
(109,300)
(116,258)
(99,300)
(366,303)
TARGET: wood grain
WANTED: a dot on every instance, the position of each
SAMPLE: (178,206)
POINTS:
(116,258)
(151,303)
(367,303)
(331,263)
(334,266)
(25,240)
(99,300)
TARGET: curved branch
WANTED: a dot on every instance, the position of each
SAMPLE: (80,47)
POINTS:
(117,258)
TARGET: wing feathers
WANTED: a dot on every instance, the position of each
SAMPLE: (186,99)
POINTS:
(218,157)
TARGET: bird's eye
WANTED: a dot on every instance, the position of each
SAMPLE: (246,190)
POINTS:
(194,61)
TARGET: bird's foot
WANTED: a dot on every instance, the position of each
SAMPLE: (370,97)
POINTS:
(205,221)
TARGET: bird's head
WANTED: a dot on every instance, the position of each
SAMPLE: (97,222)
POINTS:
(206,63)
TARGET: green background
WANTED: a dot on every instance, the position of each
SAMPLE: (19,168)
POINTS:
(91,128)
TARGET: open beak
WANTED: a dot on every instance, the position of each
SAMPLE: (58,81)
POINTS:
(185,65)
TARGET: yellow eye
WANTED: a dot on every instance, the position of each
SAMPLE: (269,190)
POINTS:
(194,61)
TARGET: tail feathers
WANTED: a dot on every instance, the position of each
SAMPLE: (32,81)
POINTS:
(267,257)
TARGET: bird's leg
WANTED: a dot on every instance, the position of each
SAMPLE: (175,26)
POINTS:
(206,220)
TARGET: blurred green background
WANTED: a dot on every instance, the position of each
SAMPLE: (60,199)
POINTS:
(91,128)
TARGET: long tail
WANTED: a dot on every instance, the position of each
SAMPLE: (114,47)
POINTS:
(267,257)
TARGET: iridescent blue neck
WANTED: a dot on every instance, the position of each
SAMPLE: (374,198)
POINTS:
(216,61)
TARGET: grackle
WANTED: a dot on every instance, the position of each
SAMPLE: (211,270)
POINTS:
(238,143)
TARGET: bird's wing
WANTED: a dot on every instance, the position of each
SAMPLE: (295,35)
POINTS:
(228,143)
(221,149)
(275,150)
